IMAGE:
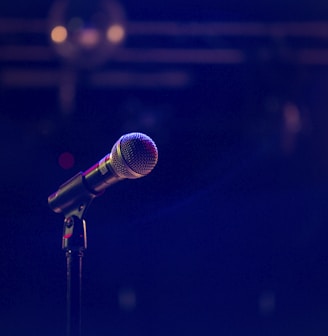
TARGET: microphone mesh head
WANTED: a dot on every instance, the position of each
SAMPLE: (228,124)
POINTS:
(134,155)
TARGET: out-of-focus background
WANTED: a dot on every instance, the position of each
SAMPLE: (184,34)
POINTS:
(228,235)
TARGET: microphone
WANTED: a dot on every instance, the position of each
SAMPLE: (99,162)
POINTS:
(134,155)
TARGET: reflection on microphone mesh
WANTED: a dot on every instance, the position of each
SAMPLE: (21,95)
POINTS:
(134,154)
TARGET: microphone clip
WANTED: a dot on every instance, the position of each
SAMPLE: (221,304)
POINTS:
(74,234)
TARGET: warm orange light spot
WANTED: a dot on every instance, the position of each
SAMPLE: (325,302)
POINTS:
(59,34)
(115,33)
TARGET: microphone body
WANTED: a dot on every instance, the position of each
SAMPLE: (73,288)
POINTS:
(133,156)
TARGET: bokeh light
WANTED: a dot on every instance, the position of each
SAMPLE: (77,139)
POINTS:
(267,303)
(127,299)
(66,160)
(59,34)
(89,38)
(115,33)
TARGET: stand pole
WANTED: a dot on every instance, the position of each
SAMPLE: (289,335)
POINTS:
(74,243)
(74,293)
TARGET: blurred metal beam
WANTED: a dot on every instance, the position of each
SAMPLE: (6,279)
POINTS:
(15,77)
(185,56)
(132,55)
(18,25)
(313,56)
(19,78)
(293,29)
(316,29)
(31,53)
(158,79)
(27,57)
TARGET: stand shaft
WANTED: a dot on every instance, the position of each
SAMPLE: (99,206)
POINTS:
(74,293)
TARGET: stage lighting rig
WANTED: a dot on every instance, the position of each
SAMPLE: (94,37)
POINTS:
(86,34)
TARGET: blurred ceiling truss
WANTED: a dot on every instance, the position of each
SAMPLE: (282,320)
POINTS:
(28,58)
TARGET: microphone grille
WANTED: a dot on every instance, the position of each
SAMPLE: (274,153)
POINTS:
(134,155)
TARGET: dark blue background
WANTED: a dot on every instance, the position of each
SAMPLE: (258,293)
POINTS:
(228,234)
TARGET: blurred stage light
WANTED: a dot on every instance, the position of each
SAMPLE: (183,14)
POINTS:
(292,118)
(267,303)
(66,160)
(89,38)
(292,127)
(86,34)
(115,33)
(58,34)
(127,299)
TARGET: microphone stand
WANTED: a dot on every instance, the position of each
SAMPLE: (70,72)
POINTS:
(74,242)
(133,156)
